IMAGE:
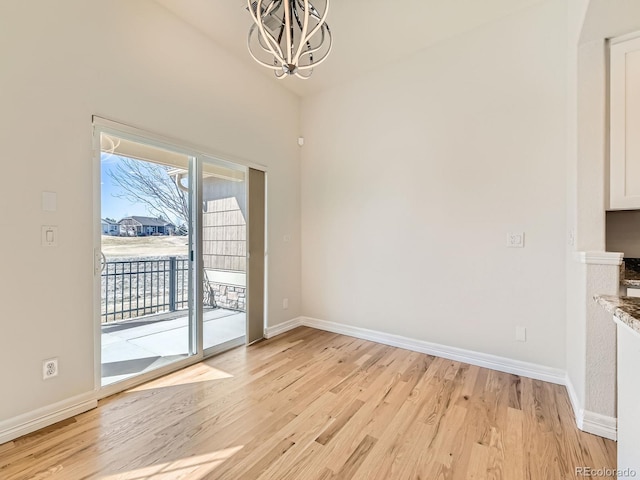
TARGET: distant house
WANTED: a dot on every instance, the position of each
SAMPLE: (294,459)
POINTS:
(136,226)
(110,227)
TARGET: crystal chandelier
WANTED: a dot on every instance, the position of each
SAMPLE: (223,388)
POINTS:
(289,36)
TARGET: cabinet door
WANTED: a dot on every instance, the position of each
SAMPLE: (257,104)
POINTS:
(628,394)
(625,125)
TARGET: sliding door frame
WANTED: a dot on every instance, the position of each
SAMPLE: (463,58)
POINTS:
(197,156)
(256,254)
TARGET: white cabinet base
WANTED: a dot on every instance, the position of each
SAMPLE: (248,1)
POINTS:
(628,399)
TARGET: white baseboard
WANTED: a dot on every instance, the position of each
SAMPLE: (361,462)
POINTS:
(281,328)
(591,422)
(43,417)
(575,403)
(494,362)
(600,425)
(587,421)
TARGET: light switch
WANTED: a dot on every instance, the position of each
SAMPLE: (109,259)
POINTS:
(521,334)
(49,236)
(49,201)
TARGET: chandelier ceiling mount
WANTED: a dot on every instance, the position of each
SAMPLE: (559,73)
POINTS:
(291,37)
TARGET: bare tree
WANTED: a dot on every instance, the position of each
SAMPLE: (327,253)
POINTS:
(150,184)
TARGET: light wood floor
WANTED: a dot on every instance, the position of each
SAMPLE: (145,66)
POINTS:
(314,405)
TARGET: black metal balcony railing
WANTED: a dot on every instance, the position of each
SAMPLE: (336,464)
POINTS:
(133,288)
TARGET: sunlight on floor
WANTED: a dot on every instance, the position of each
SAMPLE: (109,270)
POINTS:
(205,374)
(181,468)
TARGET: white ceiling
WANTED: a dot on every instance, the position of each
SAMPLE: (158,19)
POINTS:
(366,33)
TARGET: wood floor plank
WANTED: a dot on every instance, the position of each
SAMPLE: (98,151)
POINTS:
(316,405)
(513,446)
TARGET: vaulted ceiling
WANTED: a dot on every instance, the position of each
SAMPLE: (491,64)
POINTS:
(367,33)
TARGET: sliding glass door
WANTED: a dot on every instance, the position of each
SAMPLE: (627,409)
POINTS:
(223,254)
(172,259)
(147,273)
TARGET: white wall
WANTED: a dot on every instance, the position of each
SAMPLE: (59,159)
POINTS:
(131,62)
(590,335)
(575,291)
(413,175)
(604,19)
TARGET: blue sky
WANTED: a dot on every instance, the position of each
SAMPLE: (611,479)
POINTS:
(112,206)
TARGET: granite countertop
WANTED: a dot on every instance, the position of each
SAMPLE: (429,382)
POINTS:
(630,273)
(625,309)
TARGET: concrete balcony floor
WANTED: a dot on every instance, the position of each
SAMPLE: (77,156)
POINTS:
(142,344)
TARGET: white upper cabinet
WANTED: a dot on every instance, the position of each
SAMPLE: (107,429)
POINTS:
(625,125)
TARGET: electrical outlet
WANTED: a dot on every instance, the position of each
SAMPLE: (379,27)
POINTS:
(50,368)
(515,240)
(521,334)
(285,303)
